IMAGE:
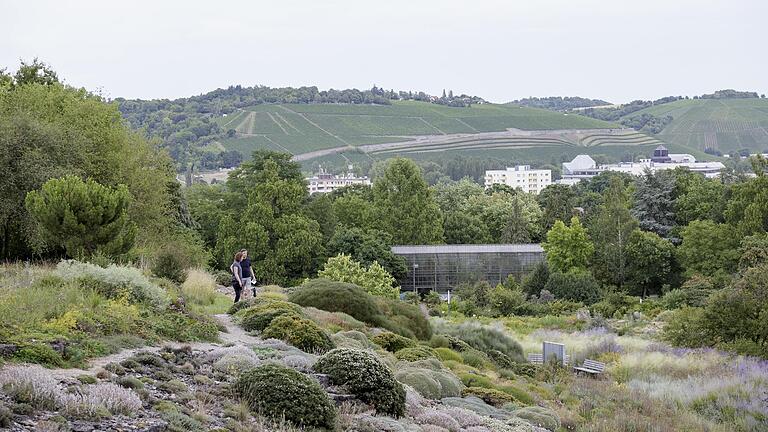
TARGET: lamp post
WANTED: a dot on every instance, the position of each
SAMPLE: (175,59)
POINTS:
(415,266)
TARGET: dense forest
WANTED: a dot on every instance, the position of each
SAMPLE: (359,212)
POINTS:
(559,103)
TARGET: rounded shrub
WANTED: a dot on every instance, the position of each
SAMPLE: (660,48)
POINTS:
(447,354)
(416,353)
(335,296)
(483,338)
(488,395)
(430,383)
(259,316)
(393,342)
(539,416)
(366,377)
(280,392)
(299,332)
(404,319)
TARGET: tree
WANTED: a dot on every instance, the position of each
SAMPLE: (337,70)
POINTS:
(748,207)
(754,251)
(536,280)
(508,217)
(610,229)
(650,259)
(576,285)
(373,279)
(697,198)
(404,205)
(654,202)
(367,247)
(568,248)
(709,249)
(36,72)
(557,202)
(83,217)
(519,225)
(455,196)
(463,228)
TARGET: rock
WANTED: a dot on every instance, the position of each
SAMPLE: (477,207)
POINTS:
(7,350)
(323,379)
(340,398)
(58,346)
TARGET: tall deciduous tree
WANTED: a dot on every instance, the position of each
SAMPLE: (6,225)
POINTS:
(568,248)
(610,229)
(709,249)
(654,202)
(404,205)
(464,228)
(650,259)
(748,207)
(557,202)
(83,216)
(698,198)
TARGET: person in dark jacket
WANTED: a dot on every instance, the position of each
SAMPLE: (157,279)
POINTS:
(237,275)
(247,273)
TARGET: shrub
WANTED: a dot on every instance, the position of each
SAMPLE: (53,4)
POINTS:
(32,385)
(416,353)
(168,265)
(404,319)
(539,416)
(489,395)
(616,305)
(575,285)
(351,339)
(474,358)
(504,301)
(236,361)
(114,282)
(439,419)
(185,326)
(375,280)
(678,298)
(39,353)
(366,377)
(393,342)
(335,296)
(299,332)
(430,383)
(525,369)
(199,287)
(259,316)
(333,321)
(277,391)
(485,339)
(93,399)
(685,329)
(131,383)
(87,379)
(448,354)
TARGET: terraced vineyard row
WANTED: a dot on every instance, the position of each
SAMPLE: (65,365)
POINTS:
(622,139)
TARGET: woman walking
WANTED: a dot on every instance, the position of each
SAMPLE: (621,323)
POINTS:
(237,275)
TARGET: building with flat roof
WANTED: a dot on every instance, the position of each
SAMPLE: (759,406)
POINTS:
(583,166)
(520,177)
(324,182)
(443,267)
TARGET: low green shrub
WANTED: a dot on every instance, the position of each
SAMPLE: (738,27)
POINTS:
(518,393)
(351,339)
(539,416)
(524,369)
(476,380)
(335,296)
(616,305)
(199,287)
(114,282)
(393,342)
(299,332)
(183,326)
(404,319)
(366,377)
(416,353)
(484,338)
(87,379)
(678,298)
(130,382)
(260,315)
(490,396)
(430,383)
(40,354)
(180,422)
(168,265)
(280,392)
(474,358)
(446,354)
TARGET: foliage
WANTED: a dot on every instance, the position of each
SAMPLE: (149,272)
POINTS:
(299,332)
(505,300)
(404,205)
(536,279)
(432,384)
(199,287)
(698,198)
(747,208)
(568,247)
(374,279)
(415,353)
(114,282)
(649,262)
(464,228)
(539,416)
(32,385)
(708,248)
(654,202)
(277,392)
(484,338)
(259,316)
(82,216)
(335,296)
(393,342)
(578,286)
(615,305)
(404,319)
(367,247)
(754,251)
(366,377)
(488,395)
(168,265)
(557,203)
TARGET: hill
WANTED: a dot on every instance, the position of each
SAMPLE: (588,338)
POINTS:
(559,103)
(307,128)
(714,125)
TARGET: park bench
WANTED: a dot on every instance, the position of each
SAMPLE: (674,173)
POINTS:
(591,367)
(539,358)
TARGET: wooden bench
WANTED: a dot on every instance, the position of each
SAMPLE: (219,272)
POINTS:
(591,367)
(539,358)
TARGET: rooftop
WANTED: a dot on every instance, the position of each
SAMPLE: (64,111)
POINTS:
(471,248)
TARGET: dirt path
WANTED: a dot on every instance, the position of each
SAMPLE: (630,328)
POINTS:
(233,335)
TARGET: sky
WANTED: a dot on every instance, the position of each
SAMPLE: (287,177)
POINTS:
(615,50)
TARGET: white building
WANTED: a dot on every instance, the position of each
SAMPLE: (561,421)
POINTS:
(324,182)
(520,177)
(583,166)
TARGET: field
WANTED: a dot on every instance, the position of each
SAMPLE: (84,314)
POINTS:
(300,128)
(724,125)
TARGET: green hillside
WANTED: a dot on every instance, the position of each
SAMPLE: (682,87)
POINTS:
(723,125)
(302,128)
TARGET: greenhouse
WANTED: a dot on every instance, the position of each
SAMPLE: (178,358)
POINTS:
(443,267)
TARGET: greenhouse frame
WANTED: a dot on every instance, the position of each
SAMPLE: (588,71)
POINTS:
(444,267)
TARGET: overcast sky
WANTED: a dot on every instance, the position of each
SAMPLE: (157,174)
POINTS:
(501,50)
